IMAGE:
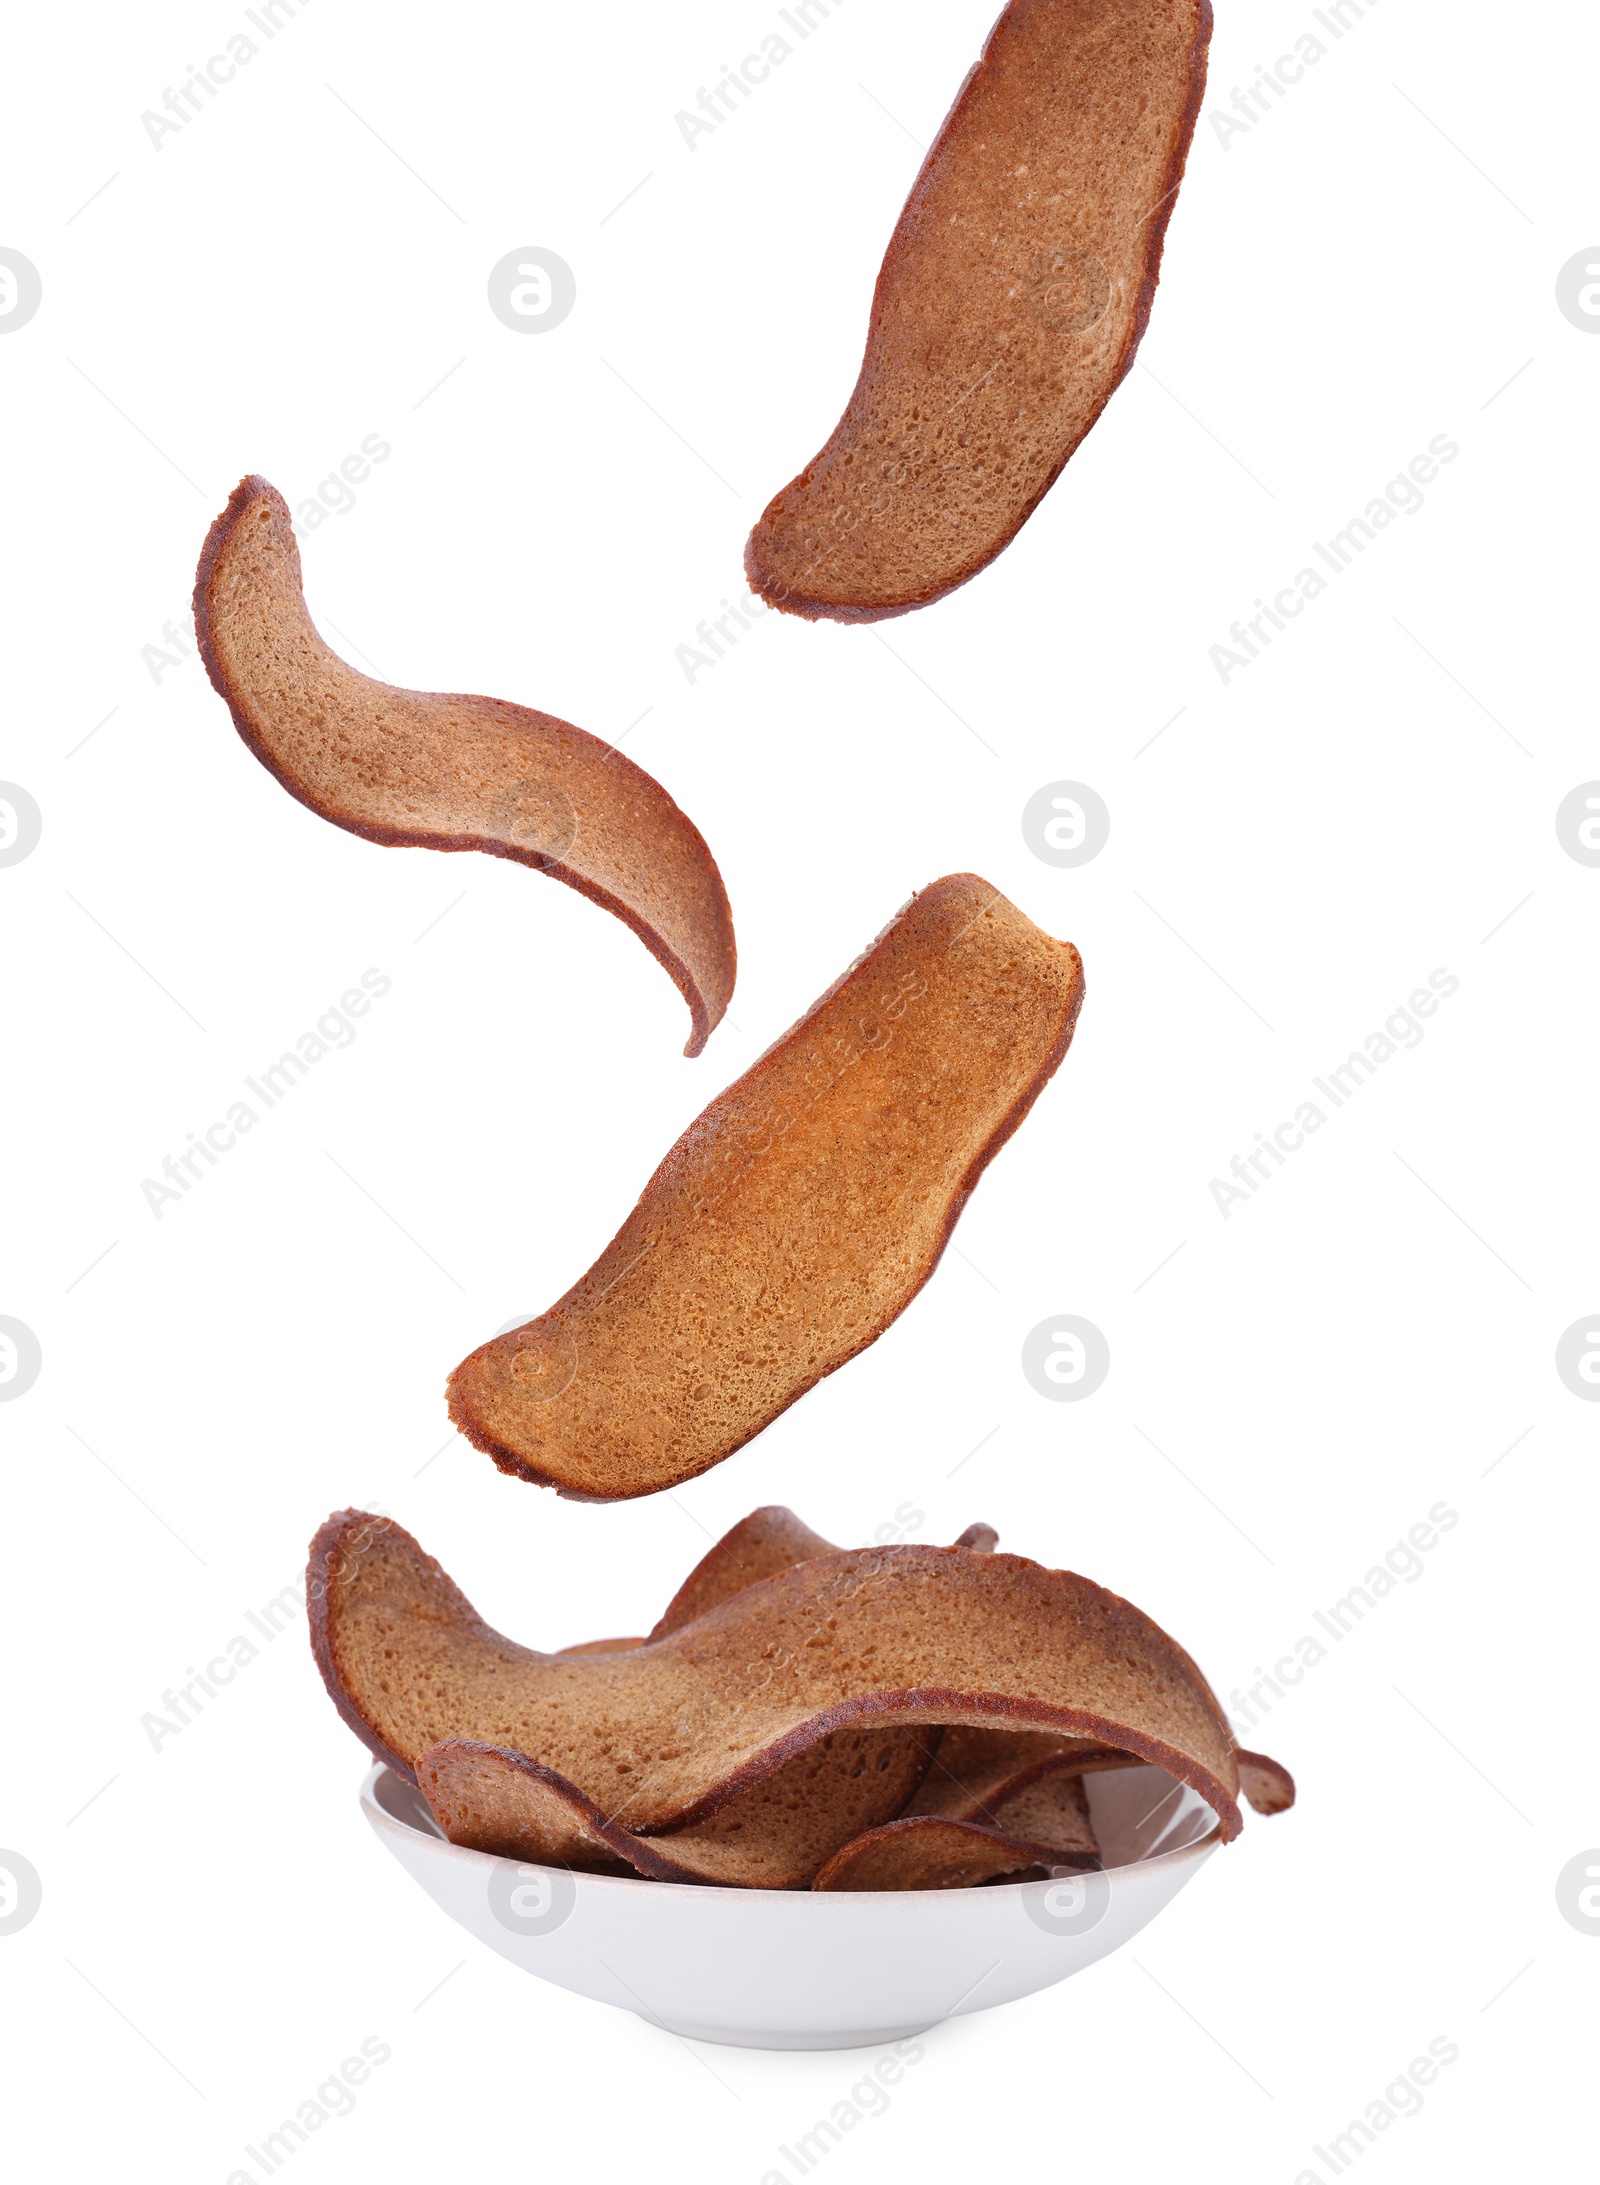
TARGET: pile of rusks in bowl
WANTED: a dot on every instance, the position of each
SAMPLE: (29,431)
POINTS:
(802,1717)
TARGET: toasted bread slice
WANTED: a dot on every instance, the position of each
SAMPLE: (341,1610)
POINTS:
(796,1218)
(664,1735)
(449,772)
(1015,290)
(927,1852)
(775,1835)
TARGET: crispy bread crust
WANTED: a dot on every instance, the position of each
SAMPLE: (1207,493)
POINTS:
(706,984)
(902,251)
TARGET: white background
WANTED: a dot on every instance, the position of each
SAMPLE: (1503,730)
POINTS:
(1372,264)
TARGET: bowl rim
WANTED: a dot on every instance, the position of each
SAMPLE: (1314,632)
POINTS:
(380,1817)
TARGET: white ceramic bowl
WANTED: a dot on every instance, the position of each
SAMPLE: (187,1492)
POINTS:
(775,1968)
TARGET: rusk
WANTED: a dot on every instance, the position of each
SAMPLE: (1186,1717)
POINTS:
(444,771)
(796,1218)
(1014,292)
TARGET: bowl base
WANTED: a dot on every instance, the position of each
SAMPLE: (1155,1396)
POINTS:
(775,2037)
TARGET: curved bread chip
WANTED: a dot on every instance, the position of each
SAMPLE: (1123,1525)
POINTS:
(448,772)
(490,1799)
(1015,290)
(671,1732)
(1266,1783)
(1021,1782)
(979,1775)
(926,1853)
(796,1218)
(759,1546)
(974,1775)
(769,1540)
(775,1835)
(1051,1814)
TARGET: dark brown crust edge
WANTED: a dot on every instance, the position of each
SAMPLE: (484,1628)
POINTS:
(880,1707)
(702,1023)
(328,1543)
(812,609)
(518,1467)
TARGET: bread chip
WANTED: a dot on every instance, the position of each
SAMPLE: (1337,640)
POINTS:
(927,1853)
(662,1736)
(769,1540)
(491,1799)
(448,772)
(1051,1814)
(992,1801)
(759,1546)
(796,1218)
(775,1835)
(1015,290)
(765,1542)
(982,1775)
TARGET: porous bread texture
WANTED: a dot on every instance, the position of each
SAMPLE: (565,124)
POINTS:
(796,1218)
(926,1852)
(671,1732)
(445,771)
(1013,295)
